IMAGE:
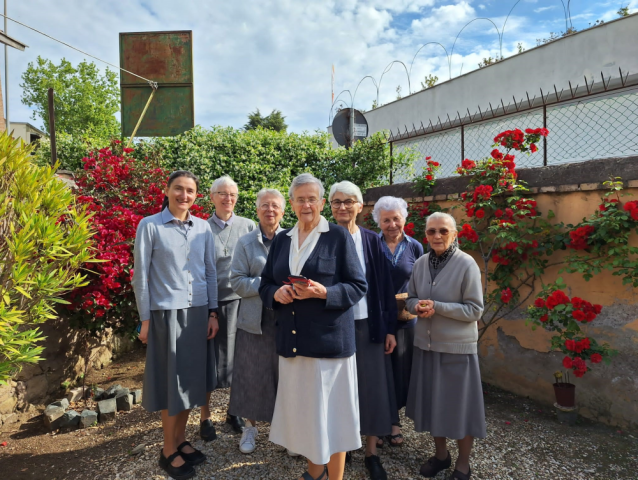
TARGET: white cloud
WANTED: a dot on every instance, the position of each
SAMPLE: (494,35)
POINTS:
(543,9)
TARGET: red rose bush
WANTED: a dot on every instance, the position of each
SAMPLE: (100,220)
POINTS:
(555,311)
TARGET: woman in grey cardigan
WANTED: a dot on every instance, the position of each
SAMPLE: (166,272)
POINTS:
(227,228)
(446,396)
(256,368)
(176,293)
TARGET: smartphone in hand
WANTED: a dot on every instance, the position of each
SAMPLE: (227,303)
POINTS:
(299,279)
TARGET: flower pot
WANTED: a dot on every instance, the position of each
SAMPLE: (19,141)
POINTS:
(565,394)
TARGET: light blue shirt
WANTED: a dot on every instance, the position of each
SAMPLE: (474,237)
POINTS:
(221,223)
(174,264)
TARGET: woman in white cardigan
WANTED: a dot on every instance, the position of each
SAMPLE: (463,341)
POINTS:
(446,396)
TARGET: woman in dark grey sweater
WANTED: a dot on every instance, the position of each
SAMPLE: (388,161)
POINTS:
(446,396)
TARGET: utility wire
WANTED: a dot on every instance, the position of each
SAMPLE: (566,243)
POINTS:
(150,82)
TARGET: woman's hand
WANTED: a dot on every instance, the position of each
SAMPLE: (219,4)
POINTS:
(390,343)
(312,290)
(213,327)
(284,295)
(425,308)
(143,335)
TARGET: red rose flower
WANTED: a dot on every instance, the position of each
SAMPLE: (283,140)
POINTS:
(498,213)
(506,295)
(596,358)
(570,345)
(567,363)
(543,318)
(539,303)
(578,315)
(480,213)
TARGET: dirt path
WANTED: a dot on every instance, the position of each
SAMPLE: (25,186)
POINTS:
(524,442)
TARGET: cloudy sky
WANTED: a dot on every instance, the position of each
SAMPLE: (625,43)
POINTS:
(277,54)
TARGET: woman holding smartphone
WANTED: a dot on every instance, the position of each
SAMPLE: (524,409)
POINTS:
(312,280)
(175,288)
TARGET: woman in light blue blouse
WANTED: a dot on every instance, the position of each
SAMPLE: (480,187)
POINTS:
(175,288)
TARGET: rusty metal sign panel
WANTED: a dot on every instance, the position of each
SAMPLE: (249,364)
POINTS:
(165,58)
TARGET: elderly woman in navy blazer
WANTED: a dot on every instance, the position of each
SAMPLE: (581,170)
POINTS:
(317,407)
(375,326)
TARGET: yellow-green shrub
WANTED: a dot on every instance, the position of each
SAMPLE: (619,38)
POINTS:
(44,240)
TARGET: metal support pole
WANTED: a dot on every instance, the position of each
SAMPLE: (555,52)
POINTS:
(352,126)
(54,152)
(139,121)
(544,138)
(391,163)
(6,72)
(462,143)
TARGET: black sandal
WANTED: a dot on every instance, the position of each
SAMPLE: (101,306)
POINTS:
(389,438)
(380,445)
(306,476)
(182,472)
(458,475)
(194,458)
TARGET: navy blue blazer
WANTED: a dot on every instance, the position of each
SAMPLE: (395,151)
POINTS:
(382,305)
(315,327)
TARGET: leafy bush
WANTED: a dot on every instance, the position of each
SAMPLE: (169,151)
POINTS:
(264,158)
(70,149)
(44,240)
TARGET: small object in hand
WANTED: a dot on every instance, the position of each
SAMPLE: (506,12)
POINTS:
(298,279)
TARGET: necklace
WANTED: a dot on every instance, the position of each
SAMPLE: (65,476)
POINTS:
(225,244)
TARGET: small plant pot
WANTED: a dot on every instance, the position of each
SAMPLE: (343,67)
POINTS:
(565,394)
(566,415)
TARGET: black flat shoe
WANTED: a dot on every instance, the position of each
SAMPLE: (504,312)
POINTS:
(177,473)
(458,475)
(375,468)
(194,458)
(434,466)
(207,431)
(236,422)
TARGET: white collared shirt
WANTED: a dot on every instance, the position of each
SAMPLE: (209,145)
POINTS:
(299,255)
(360,309)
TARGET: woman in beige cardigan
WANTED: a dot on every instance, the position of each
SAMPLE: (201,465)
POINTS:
(446,396)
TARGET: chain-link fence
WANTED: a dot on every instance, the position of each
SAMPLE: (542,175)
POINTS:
(600,126)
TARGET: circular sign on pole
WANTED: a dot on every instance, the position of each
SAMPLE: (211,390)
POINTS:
(348,129)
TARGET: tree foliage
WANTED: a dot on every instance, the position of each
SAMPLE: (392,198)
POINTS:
(275,121)
(85,99)
(44,240)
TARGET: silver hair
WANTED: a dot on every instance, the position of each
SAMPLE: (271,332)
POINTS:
(443,216)
(222,181)
(305,179)
(270,191)
(388,204)
(347,188)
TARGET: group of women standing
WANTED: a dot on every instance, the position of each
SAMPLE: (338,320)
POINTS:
(325,331)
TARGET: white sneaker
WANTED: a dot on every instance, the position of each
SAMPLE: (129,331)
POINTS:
(291,453)
(248,440)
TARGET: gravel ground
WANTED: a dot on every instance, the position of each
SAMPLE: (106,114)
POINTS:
(524,442)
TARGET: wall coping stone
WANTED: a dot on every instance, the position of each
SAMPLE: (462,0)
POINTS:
(570,177)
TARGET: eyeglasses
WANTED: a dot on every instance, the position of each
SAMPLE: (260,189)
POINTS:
(226,195)
(430,232)
(303,201)
(336,204)
(266,206)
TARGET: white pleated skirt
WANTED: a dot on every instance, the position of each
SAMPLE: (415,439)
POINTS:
(317,407)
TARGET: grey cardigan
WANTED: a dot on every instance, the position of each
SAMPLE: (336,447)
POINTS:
(245,277)
(458,303)
(225,242)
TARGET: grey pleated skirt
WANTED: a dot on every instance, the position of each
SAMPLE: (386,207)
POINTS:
(255,372)
(377,402)
(225,341)
(180,361)
(401,359)
(446,395)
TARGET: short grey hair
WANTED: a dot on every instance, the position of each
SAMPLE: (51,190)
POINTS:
(305,179)
(442,216)
(347,188)
(388,204)
(223,181)
(270,191)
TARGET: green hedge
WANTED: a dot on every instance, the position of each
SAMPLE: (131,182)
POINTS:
(264,158)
